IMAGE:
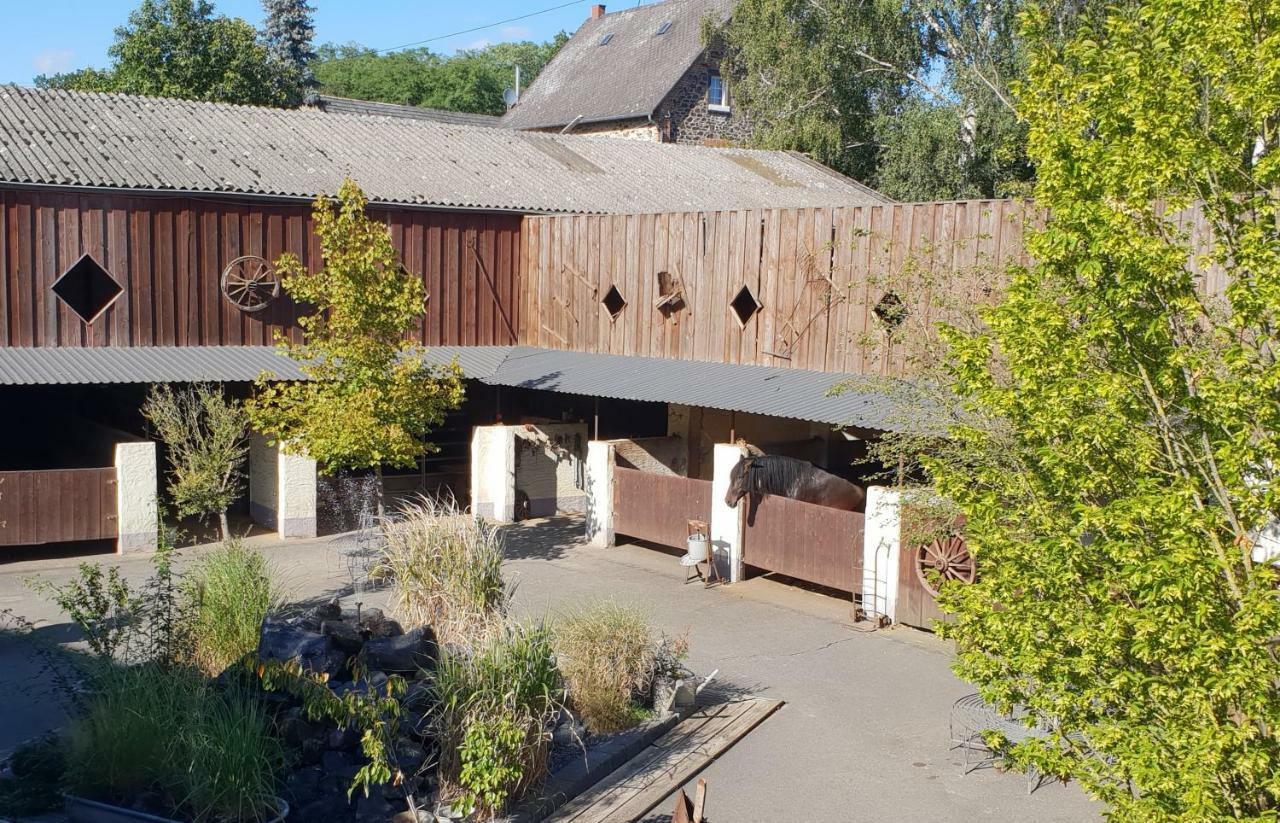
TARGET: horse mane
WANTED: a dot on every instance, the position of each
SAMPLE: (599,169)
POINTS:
(774,473)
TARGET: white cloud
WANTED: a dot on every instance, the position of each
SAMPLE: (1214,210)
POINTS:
(516,33)
(52,61)
(479,44)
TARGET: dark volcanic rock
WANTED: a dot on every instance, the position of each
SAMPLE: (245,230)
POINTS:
(329,807)
(343,634)
(283,639)
(404,654)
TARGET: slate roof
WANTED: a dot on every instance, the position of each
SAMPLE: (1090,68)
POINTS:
(153,144)
(780,392)
(371,108)
(627,77)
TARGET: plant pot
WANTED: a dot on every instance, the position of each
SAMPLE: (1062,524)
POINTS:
(83,810)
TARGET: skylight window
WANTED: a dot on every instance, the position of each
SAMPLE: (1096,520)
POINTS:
(604,41)
(666,24)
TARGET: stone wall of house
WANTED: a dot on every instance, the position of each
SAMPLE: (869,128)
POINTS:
(638,129)
(685,116)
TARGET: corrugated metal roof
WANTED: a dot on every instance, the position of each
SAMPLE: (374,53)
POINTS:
(626,77)
(184,364)
(153,144)
(372,108)
(777,392)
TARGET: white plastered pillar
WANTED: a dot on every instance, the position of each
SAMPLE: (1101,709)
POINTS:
(600,463)
(727,523)
(282,489)
(881,551)
(137,512)
(493,473)
(297,477)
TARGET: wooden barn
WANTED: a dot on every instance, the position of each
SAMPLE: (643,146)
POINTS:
(654,304)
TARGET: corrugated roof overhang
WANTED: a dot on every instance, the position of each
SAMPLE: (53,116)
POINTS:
(777,392)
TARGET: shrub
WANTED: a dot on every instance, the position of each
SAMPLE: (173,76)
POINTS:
(228,592)
(157,729)
(496,707)
(446,570)
(205,437)
(607,653)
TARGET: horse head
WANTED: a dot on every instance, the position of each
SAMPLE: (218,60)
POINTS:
(739,481)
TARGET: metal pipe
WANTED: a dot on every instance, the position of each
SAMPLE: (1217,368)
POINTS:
(596,421)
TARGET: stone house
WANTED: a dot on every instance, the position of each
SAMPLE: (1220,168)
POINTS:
(642,73)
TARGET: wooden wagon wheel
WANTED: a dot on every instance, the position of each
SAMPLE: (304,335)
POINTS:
(250,283)
(946,558)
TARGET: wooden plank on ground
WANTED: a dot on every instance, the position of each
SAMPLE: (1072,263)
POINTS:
(629,792)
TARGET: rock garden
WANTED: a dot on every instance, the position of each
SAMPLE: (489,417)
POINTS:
(205,695)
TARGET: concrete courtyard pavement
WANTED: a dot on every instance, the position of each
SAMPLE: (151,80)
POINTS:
(862,737)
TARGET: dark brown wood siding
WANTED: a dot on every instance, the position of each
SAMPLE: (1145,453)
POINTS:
(57,505)
(168,254)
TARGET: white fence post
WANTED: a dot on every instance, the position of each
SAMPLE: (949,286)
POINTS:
(881,550)
(600,462)
(137,512)
(493,473)
(726,522)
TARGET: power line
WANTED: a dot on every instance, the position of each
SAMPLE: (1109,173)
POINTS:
(482,28)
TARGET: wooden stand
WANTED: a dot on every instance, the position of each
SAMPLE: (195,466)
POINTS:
(700,527)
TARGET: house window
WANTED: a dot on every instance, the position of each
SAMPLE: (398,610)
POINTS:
(717,93)
(604,41)
(666,25)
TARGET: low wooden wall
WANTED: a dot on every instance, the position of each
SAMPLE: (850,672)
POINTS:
(57,505)
(658,507)
(817,544)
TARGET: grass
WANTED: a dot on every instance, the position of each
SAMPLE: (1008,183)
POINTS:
(155,729)
(607,654)
(446,571)
(496,705)
(228,592)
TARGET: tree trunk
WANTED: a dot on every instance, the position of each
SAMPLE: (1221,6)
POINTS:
(226,528)
(377,473)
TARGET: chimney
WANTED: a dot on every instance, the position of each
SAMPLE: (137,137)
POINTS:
(597,11)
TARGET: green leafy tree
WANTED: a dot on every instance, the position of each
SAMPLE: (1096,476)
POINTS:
(915,98)
(180,48)
(205,436)
(470,80)
(800,69)
(287,32)
(1115,438)
(369,399)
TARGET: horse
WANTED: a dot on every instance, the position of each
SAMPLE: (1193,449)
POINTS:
(797,479)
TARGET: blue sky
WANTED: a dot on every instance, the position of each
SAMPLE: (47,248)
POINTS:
(49,36)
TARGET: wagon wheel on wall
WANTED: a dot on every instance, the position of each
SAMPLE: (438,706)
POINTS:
(946,558)
(250,283)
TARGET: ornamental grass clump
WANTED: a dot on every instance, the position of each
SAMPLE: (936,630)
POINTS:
(227,593)
(445,568)
(497,705)
(607,654)
(165,732)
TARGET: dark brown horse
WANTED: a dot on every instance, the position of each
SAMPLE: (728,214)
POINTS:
(797,479)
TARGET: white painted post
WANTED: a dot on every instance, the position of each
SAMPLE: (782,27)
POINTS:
(493,473)
(296,496)
(727,524)
(881,549)
(137,513)
(600,463)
